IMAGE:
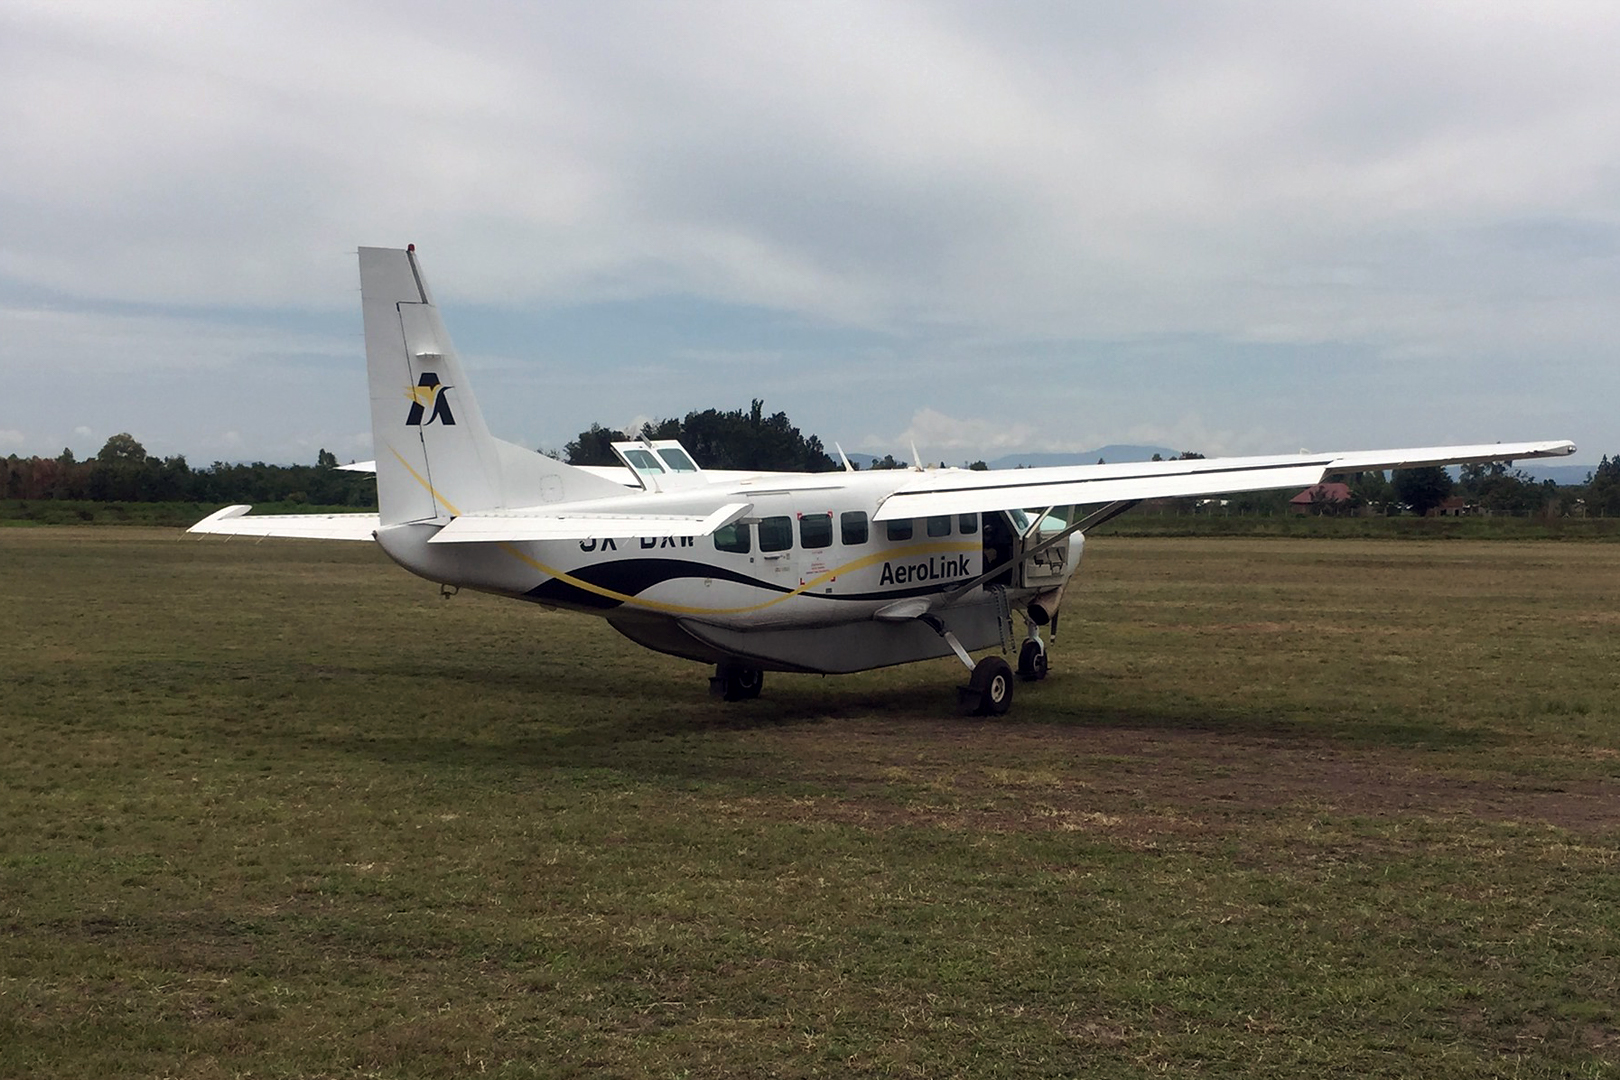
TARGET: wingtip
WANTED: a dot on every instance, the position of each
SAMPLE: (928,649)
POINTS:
(225,514)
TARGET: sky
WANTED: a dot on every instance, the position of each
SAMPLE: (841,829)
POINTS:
(1229,227)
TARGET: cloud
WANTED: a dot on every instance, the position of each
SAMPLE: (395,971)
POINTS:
(1432,187)
(11,437)
(933,433)
(92,342)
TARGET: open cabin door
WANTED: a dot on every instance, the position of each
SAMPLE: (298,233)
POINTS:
(1044,569)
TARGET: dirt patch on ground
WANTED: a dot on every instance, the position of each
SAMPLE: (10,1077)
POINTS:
(1141,785)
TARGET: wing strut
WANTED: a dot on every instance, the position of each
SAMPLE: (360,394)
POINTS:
(934,623)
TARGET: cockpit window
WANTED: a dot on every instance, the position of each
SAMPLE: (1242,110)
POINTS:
(677,460)
(643,461)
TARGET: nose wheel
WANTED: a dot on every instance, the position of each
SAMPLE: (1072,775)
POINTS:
(1032,660)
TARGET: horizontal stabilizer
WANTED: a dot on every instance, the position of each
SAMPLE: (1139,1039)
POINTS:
(235,521)
(580,525)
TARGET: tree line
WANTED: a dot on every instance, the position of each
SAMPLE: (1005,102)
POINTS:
(1495,488)
(124,472)
(717,440)
(746,439)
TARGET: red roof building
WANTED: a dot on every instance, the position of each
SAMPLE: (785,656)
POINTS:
(1315,496)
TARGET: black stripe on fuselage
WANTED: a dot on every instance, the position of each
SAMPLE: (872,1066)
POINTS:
(631,577)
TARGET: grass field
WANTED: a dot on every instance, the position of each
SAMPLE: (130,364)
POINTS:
(1284,808)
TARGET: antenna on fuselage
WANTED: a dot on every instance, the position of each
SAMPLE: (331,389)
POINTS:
(916,458)
(844,458)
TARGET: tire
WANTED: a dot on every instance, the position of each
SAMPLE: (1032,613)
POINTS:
(743,683)
(991,687)
(1032,661)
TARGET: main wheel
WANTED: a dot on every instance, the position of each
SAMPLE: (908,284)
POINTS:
(743,683)
(990,689)
(1032,661)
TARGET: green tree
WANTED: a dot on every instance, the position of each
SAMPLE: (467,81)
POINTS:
(1603,488)
(593,447)
(1500,491)
(118,470)
(1422,489)
(733,439)
(1371,489)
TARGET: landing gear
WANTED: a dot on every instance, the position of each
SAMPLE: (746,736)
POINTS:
(1032,660)
(736,682)
(990,688)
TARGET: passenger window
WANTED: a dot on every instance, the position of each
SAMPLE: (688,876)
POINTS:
(815,531)
(853,525)
(939,526)
(900,530)
(732,538)
(775,533)
(967,524)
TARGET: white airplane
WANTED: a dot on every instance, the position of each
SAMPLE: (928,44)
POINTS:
(808,572)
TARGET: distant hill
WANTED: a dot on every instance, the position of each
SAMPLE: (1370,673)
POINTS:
(1558,474)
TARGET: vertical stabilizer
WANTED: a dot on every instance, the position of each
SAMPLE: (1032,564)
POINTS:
(435,457)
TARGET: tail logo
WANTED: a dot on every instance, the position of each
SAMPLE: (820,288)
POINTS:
(428,400)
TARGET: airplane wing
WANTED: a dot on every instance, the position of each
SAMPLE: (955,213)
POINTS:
(583,525)
(232,522)
(964,492)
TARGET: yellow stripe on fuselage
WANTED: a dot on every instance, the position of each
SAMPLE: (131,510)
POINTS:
(910,551)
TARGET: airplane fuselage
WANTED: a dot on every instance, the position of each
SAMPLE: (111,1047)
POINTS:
(806,557)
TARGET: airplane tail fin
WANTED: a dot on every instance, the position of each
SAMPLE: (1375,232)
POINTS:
(435,457)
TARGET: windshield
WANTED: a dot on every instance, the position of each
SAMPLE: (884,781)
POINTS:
(677,460)
(643,461)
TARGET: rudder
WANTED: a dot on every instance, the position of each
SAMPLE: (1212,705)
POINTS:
(436,458)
